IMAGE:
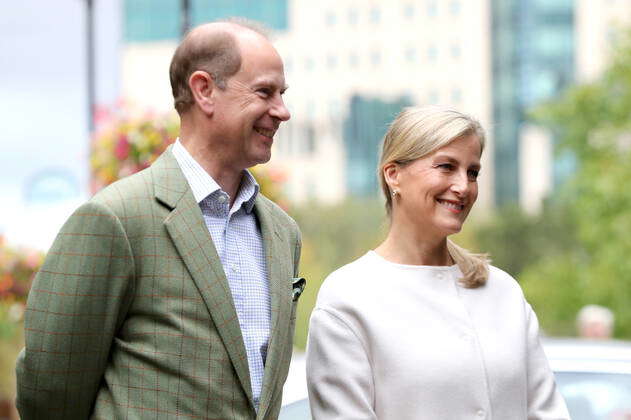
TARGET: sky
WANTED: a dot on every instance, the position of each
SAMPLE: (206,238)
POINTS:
(44,141)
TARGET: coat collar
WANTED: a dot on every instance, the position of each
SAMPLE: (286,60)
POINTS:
(188,231)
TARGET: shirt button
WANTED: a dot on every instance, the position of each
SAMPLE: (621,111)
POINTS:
(234,269)
(222,199)
(480,413)
(440,275)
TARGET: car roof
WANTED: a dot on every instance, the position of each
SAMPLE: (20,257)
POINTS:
(584,355)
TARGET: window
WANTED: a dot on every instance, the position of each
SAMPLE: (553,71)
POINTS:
(455,50)
(289,63)
(309,64)
(352,16)
(408,10)
(309,139)
(432,8)
(353,60)
(456,96)
(375,58)
(375,15)
(410,55)
(331,61)
(330,19)
(454,7)
(433,97)
(432,53)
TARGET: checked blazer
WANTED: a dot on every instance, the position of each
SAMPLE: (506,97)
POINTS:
(131,315)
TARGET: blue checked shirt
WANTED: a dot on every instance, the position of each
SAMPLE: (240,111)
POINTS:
(237,238)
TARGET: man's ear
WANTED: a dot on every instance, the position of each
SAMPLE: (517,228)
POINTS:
(202,85)
(391,172)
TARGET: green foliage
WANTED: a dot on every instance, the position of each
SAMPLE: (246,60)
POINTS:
(593,123)
(516,240)
(331,237)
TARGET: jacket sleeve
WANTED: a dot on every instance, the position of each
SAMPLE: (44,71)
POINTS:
(77,302)
(544,400)
(339,375)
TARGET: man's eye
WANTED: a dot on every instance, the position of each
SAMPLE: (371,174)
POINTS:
(264,92)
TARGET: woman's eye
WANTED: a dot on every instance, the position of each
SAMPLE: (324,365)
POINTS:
(473,174)
(445,166)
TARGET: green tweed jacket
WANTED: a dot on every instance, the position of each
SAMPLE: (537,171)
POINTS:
(131,316)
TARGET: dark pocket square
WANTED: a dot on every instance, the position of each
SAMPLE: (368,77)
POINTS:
(298,285)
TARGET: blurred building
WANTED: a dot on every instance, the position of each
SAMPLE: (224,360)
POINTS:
(598,24)
(557,43)
(352,65)
(533,61)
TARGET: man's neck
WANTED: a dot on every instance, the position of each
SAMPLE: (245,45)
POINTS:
(214,163)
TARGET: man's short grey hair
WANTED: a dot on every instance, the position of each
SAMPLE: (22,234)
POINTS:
(218,55)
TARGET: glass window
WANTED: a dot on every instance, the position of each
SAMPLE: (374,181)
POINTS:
(432,8)
(554,41)
(310,139)
(433,97)
(330,18)
(331,61)
(309,64)
(353,60)
(410,55)
(408,10)
(455,50)
(311,109)
(375,15)
(456,96)
(352,16)
(147,20)
(432,53)
(454,7)
(595,395)
(375,58)
(273,13)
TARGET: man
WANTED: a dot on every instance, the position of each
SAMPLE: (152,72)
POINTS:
(595,322)
(169,294)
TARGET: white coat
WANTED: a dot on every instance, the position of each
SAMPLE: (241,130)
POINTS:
(393,341)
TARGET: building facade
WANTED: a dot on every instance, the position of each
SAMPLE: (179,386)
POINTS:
(351,66)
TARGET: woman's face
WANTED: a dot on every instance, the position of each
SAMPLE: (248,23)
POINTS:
(437,191)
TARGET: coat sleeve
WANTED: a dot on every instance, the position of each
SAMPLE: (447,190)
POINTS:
(544,400)
(77,302)
(339,375)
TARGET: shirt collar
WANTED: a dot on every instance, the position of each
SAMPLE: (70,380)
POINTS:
(202,184)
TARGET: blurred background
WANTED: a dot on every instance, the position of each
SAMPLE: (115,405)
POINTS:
(86,100)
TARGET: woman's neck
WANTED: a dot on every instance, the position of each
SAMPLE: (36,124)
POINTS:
(411,247)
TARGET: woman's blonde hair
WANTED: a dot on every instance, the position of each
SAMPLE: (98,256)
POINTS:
(417,132)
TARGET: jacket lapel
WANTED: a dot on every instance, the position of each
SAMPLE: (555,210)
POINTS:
(187,229)
(281,299)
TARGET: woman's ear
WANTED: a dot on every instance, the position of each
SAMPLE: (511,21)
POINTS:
(202,85)
(391,172)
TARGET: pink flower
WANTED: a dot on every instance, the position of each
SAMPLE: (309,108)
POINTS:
(122,148)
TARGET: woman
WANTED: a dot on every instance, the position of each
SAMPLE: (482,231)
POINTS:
(420,328)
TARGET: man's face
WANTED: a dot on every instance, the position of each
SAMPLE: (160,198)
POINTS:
(250,109)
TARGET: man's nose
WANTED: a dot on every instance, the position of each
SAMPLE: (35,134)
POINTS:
(279,110)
